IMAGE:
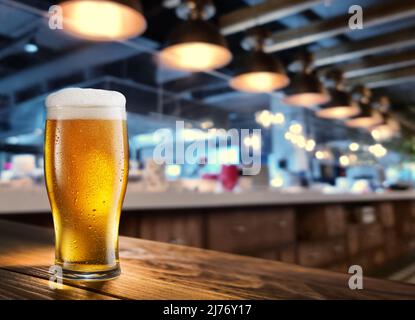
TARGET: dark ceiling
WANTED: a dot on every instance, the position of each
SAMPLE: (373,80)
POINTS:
(25,78)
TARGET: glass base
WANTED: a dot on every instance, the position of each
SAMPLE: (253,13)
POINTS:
(91,276)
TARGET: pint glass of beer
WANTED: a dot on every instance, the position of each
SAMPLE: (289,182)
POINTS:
(86,169)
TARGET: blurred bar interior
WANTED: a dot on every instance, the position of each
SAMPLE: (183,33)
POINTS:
(335,107)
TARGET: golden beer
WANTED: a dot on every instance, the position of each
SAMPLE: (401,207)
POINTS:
(86,168)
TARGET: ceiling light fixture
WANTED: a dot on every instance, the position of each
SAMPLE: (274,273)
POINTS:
(368,117)
(305,89)
(341,105)
(259,72)
(389,127)
(105,20)
(195,45)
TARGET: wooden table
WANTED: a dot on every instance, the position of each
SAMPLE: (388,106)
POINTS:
(152,270)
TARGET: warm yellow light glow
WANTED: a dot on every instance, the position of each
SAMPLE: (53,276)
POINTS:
(173,170)
(352,158)
(265,118)
(296,128)
(301,141)
(361,123)
(376,134)
(257,82)
(278,118)
(364,122)
(307,99)
(320,155)
(310,145)
(354,146)
(101,20)
(206,124)
(277,181)
(228,156)
(378,150)
(288,136)
(253,141)
(339,112)
(344,161)
(195,56)
(294,139)
(385,131)
(323,155)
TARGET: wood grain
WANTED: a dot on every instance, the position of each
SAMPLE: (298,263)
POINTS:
(152,270)
(15,285)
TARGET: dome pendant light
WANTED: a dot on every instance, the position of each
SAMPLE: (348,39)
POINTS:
(389,127)
(305,89)
(260,72)
(105,20)
(341,105)
(195,45)
(367,117)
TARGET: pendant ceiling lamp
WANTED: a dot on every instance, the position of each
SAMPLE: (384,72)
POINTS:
(104,20)
(259,72)
(368,117)
(305,89)
(195,45)
(389,127)
(341,105)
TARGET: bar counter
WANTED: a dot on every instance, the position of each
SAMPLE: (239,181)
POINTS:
(152,270)
(35,199)
(330,231)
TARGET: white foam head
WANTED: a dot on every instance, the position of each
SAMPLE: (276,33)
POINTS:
(77,103)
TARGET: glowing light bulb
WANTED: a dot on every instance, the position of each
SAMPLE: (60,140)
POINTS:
(310,145)
(253,141)
(354,146)
(344,161)
(264,118)
(288,136)
(102,20)
(296,128)
(258,82)
(319,155)
(277,181)
(195,56)
(278,118)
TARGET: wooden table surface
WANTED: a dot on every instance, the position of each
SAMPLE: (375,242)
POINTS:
(152,270)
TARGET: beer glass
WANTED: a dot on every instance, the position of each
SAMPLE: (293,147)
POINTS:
(86,169)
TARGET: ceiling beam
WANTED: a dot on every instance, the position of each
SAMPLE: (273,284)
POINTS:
(384,79)
(268,11)
(378,64)
(373,16)
(391,41)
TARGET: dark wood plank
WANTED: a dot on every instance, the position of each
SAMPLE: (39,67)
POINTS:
(152,270)
(15,285)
